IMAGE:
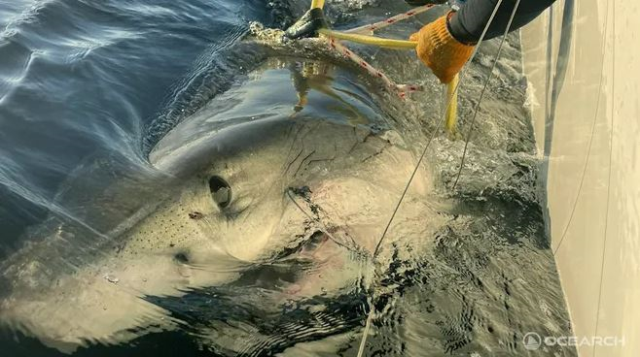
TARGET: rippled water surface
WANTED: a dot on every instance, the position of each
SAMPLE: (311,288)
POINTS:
(171,184)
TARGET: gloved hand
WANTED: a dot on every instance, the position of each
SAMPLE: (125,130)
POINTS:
(440,51)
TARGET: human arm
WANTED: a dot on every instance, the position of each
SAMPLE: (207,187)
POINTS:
(467,24)
(446,44)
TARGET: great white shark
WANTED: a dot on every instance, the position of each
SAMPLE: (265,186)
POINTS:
(290,205)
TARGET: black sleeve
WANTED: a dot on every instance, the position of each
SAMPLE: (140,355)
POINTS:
(468,23)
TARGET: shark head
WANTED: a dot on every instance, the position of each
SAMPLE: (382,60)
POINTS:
(285,208)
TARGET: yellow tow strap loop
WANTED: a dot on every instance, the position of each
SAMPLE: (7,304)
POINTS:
(451,114)
(370,40)
(317,4)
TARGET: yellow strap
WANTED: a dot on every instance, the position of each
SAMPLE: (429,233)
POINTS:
(367,40)
(370,40)
(317,3)
(451,115)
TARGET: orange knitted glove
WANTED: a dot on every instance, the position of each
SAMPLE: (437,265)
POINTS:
(440,51)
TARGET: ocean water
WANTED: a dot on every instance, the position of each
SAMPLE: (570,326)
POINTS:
(88,90)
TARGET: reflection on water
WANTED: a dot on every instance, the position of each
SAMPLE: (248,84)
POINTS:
(318,77)
(250,227)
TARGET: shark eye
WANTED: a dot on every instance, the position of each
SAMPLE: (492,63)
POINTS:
(181,258)
(220,191)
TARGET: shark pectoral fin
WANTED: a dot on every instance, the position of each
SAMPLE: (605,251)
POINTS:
(84,310)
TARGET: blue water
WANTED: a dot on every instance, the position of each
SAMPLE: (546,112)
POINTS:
(86,78)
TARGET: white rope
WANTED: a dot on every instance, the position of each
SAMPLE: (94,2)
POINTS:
(395,211)
(370,28)
(401,89)
(484,88)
